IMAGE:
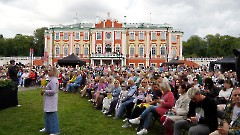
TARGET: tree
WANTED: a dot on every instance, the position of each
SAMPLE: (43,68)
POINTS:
(194,47)
(38,41)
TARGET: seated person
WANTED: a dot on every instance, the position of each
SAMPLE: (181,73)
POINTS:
(166,102)
(100,90)
(201,117)
(116,90)
(180,110)
(210,89)
(151,99)
(65,80)
(75,84)
(224,95)
(31,77)
(231,122)
(130,97)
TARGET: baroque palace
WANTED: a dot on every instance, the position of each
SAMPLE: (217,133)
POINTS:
(112,42)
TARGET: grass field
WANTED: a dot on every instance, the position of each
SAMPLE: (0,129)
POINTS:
(76,115)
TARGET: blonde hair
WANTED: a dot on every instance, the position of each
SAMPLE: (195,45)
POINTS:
(54,71)
(165,87)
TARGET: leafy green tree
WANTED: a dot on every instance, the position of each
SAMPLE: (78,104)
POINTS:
(38,41)
(194,47)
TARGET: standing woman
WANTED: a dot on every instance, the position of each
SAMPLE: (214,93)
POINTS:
(51,125)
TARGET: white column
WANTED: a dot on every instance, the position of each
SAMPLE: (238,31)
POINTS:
(101,62)
(180,47)
(71,43)
(93,43)
(112,62)
(92,62)
(124,46)
(124,51)
(148,48)
(50,49)
(169,40)
(45,49)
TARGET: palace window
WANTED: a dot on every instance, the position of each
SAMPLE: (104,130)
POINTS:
(117,48)
(85,49)
(141,50)
(118,35)
(65,51)
(153,36)
(174,53)
(77,50)
(77,36)
(65,36)
(57,51)
(131,36)
(153,50)
(99,35)
(57,36)
(131,51)
(174,39)
(141,35)
(163,50)
(86,36)
(163,35)
(99,49)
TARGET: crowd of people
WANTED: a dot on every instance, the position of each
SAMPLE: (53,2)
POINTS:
(190,99)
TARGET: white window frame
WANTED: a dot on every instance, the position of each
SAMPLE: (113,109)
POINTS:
(141,35)
(132,64)
(65,49)
(57,36)
(174,39)
(86,51)
(99,49)
(65,36)
(163,46)
(163,35)
(98,35)
(117,48)
(153,64)
(131,35)
(57,50)
(152,35)
(131,47)
(141,64)
(77,36)
(153,46)
(118,34)
(86,36)
(141,50)
(77,46)
(174,53)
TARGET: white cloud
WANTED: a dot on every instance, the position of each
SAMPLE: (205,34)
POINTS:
(191,16)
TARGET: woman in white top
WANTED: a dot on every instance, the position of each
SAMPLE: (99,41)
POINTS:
(225,93)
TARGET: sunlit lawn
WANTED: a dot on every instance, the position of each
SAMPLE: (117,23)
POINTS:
(76,115)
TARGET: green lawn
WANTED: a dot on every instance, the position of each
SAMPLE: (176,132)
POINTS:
(76,115)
